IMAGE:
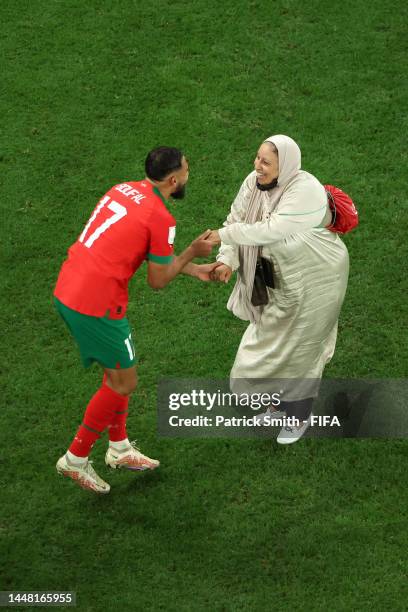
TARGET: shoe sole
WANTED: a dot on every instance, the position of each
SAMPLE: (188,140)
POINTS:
(118,466)
(86,486)
(286,442)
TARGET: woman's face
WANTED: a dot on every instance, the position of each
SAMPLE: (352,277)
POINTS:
(266,164)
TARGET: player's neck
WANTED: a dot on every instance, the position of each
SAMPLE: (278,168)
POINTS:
(166,193)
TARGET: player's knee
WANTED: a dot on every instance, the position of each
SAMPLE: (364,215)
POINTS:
(129,386)
(124,384)
(123,388)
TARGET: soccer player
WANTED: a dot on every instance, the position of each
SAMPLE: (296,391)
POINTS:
(131,223)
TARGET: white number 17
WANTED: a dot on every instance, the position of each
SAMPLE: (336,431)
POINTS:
(119,212)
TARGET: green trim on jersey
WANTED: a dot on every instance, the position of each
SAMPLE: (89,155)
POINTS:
(301,214)
(160,259)
(157,192)
(106,341)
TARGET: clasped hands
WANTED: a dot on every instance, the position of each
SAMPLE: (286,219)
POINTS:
(216,271)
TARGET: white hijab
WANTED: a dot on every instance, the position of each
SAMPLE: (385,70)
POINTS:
(289,157)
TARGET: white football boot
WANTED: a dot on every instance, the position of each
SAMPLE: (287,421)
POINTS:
(129,459)
(84,475)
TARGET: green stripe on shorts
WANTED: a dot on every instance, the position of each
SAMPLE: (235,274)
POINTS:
(106,341)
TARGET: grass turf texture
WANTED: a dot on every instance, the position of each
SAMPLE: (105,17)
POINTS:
(225,524)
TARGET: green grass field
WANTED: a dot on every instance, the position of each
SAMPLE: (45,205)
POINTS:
(224,525)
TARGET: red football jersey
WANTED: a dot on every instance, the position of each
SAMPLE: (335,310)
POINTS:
(130,224)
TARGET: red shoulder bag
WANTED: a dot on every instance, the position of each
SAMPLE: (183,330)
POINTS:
(345,215)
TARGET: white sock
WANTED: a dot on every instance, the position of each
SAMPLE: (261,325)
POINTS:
(74,459)
(121,445)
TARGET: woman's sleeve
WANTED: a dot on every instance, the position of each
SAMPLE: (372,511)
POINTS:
(300,209)
(228,253)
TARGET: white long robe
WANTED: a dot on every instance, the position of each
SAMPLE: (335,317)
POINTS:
(296,335)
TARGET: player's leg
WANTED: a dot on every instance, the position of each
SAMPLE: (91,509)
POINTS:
(121,452)
(123,381)
(74,463)
(98,416)
(107,342)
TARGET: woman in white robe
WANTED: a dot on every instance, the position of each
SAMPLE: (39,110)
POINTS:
(280,213)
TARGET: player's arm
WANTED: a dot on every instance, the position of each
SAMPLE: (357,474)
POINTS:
(204,272)
(160,275)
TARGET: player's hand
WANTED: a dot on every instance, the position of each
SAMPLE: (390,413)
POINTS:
(221,273)
(201,247)
(214,237)
(204,271)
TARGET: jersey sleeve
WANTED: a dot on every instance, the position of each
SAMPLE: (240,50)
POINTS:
(162,230)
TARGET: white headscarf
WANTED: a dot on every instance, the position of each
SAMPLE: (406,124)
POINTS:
(289,157)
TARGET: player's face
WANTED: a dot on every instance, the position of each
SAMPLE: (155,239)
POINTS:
(266,164)
(181,178)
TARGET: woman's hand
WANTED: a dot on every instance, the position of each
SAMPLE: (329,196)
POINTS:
(221,273)
(213,237)
(205,271)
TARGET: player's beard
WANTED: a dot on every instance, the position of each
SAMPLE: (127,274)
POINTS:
(267,186)
(179,193)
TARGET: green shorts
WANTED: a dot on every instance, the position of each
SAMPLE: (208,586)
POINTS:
(106,341)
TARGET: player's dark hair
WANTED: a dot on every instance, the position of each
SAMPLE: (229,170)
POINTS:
(161,161)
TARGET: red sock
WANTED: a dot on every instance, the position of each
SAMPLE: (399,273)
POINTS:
(117,428)
(98,415)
